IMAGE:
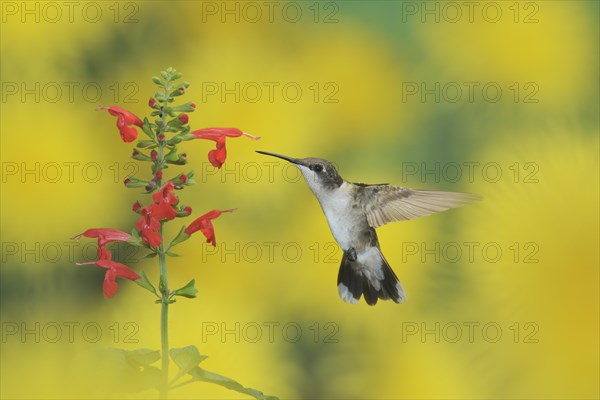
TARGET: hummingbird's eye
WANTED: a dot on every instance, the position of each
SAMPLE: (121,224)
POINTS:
(317,167)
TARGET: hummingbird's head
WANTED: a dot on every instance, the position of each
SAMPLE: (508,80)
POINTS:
(320,175)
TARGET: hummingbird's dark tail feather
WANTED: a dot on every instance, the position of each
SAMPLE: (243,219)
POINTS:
(378,281)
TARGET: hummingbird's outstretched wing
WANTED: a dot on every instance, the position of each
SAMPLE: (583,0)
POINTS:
(384,203)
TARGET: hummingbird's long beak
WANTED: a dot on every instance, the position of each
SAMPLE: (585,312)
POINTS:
(290,159)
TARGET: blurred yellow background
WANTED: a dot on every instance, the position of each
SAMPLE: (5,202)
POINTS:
(495,98)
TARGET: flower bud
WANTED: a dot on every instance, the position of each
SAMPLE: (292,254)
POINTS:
(184,212)
(161,137)
(136,206)
(152,102)
(177,92)
(133,182)
(183,178)
(159,174)
(183,118)
(187,107)
(154,155)
(136,155)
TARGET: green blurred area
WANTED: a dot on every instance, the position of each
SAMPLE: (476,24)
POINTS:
(356,63)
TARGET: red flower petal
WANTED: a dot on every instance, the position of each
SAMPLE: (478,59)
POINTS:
(120,270)
(148,228)
(162,211)
(165,194)
(216,133)
(128,134)
(108,234)
(217,157)
(129,117)
(109,287)
(115,270)
(125,120)
(104,254)
(204,225)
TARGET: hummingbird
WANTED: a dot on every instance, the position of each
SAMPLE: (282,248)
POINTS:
(354,210)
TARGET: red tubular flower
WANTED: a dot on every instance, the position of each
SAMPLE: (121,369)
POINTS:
(125,120)
(217,156)
(114,269)
(165,194)
(104,236)
(148,228)
(162,212)
(204,225)
(161,209)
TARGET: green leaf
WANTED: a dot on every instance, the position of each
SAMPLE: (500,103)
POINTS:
(187,107)
(133,182)
(150,255)
(141,156)
(199,374)
(157,80)
(188,290)
(181,85)
(145,143)
(145,283)
(171,254)
(186,358)
(142,357)
(147,128)
(172,154)
(174,139)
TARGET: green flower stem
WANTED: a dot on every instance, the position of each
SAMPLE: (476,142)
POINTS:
(164,278)
(164,319)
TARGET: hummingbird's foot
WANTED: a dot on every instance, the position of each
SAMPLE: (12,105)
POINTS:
(351,254)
